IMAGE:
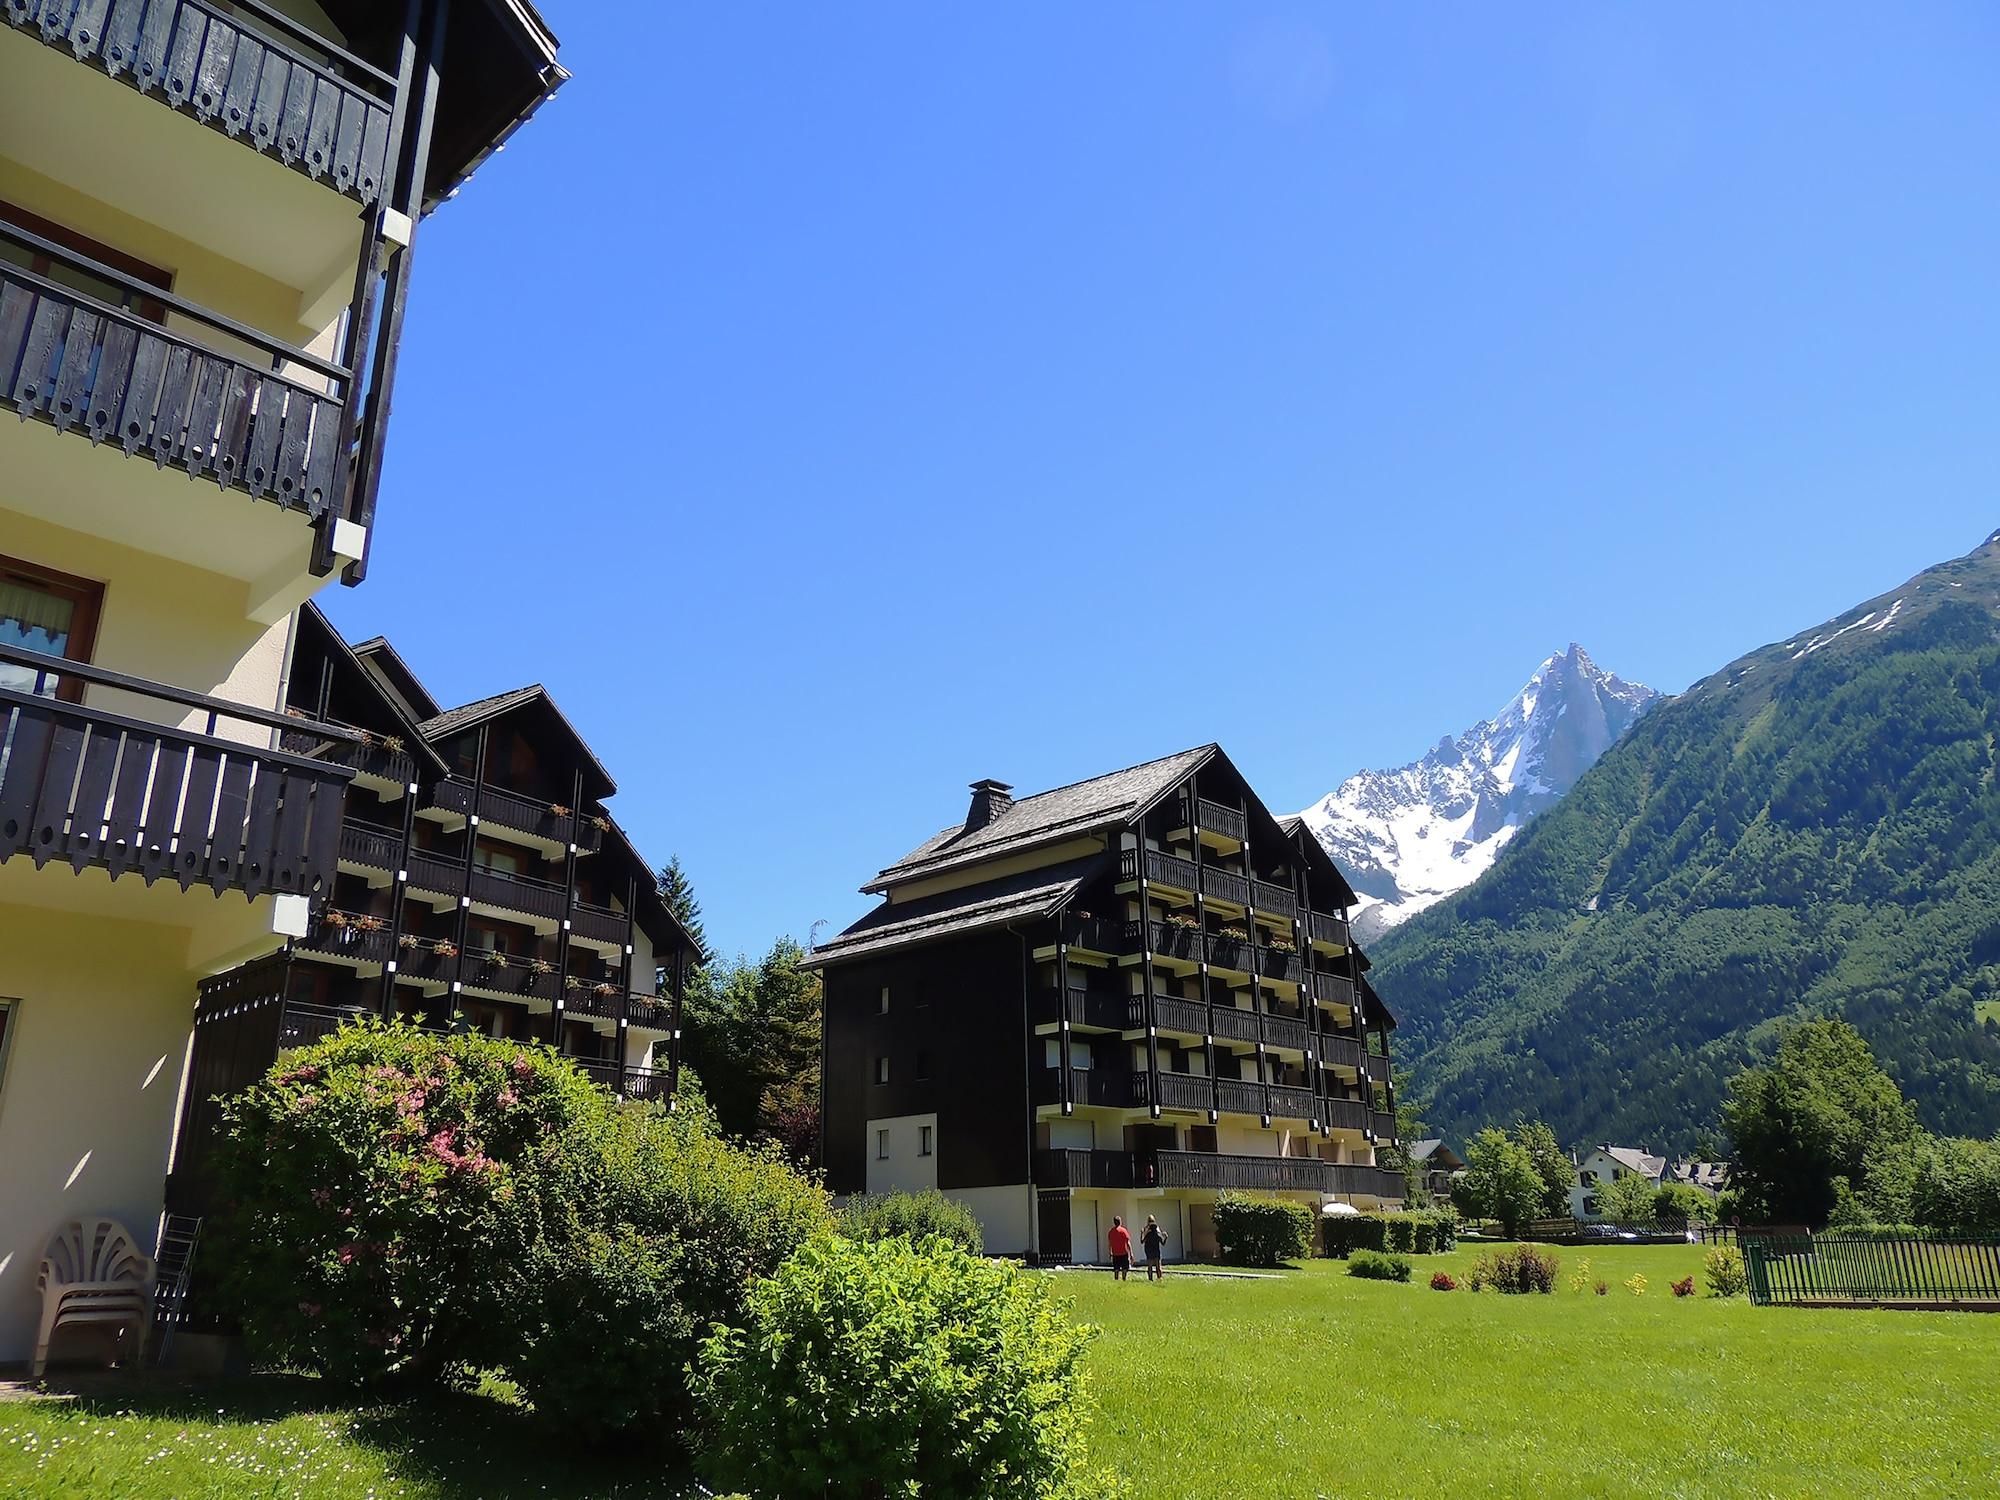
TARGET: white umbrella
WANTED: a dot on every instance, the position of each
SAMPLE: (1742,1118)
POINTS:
(1339,1210)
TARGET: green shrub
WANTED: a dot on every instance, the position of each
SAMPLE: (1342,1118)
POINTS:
(1373,1266)
(1424,1231)
(380,1190)
(667,1226)
(1727,1275)
(868,1369)
(917,1216)
(1516,1269)
(1262,1231)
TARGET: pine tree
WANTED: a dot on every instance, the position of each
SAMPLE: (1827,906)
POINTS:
(678,892)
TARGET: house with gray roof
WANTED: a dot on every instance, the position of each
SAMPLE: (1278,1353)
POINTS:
(1120,997)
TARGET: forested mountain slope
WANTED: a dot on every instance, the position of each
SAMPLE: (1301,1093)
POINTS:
(1814,828)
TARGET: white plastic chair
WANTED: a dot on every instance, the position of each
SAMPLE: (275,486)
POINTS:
(94,1275)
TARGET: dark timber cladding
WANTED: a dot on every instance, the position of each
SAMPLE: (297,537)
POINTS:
(471,881)
(393,115)
(1148,954)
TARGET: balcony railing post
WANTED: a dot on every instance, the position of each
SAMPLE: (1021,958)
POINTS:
(1065,1092)
(1146,980)
(399,892)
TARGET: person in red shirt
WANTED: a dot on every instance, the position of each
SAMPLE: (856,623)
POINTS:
(1120,1240)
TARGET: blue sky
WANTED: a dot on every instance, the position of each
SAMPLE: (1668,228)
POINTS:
(833,405)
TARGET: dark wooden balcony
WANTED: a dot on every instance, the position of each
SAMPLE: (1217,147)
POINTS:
(1165,939)
(269,424)
(1075,1168)
(1277,900)
(1283,1031)
(1235,1024)
(243,68)
(1383,1123)
(1082,1007)
(600,998)
(88,787)
(653,1011)
(647,1083)
(1334,989)
(507,975)
(369,754)
(1231,953)
(1328,928)
(438,873)
(1240,1096)
(1108,1088)
(1191,1091)
(339,935)
(599,923)
(370,844)
(1276,963)
(1172,1013)
(516,892)
(1344,1114)
(425,959)
(1213,817)
(1173,873)
(1214,1172)
(544,820)
(1095,934)
(1293,1103)
(1338,1049)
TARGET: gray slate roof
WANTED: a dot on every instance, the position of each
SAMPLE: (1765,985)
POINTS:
(466,715)
(1023,896)
(1632,1158)
(1046,817)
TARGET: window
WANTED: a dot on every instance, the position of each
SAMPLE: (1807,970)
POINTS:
(881,1145)
(923,1065)
(41,263)
(51,614)
(923,1140)
(882,1008)
(881,1070)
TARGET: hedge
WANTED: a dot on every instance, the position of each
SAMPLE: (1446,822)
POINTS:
(1262,1231)
(1414,1232)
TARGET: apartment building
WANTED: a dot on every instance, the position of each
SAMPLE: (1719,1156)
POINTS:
(1121,997)
(208,218)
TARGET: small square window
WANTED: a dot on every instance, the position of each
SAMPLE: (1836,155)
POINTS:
(923,1140)
(881,1145)
(882,1006)
(881,1070)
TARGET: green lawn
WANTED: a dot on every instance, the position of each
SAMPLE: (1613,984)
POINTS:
(285,1437)
(1321,1384)
(1306,1384)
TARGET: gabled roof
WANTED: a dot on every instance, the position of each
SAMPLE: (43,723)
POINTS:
(1632,1158)
(1047,817)
(382,659)
(1294,828)
(314,619)
(484,710)
(1424,1151)
(1026,895)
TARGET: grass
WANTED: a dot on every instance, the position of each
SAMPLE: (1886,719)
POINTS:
(1321,1384)
(1307,1384)
(280,1436)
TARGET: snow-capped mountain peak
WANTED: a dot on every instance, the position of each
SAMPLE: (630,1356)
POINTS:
(1409,837)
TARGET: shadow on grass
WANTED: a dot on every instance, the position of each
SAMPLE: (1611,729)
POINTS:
(460,1446)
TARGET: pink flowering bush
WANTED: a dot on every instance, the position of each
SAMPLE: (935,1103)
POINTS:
(381,1190)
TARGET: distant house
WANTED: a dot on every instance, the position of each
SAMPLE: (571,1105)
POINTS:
(1606,1164)
(1709,1176)
(1439,1163)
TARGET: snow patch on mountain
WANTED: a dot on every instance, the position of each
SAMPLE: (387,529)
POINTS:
(1409,837)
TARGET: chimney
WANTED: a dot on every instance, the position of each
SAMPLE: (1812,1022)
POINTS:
(990,798)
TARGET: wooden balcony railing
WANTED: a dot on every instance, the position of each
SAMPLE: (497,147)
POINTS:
(1082,1007)
(1334,989)
(267,423)
(336,935)
(1075,1168)
(1277,900)
(508,975)
(521,813)
(1345,1114)
(244,68)
(1177,874)
(369,755)
(1219,1173)
(599,923)
(1107,1088)
(516,892)
(1328,928)
(370,844)
(1338,1050)
(435,872)
(88,787)
(1229,822)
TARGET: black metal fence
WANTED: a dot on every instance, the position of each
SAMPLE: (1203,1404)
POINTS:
(1832,1270)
